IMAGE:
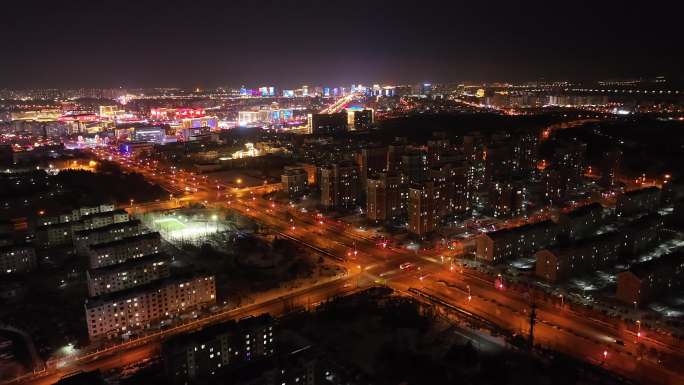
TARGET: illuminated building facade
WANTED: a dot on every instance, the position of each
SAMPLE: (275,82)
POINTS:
(501,245)
(372,160)
(383,198)
(200,122)
(645,200)
(150,134)
(581,222)
(422,217)
(146,306)
(327,124)
(126,275)
(122,250)
(646,281)
(591,254)
(112,232)
(17,259)
(294,181)
(199,355)
(340,185)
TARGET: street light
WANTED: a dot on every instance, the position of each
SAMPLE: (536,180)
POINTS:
(469,294)
(215,219)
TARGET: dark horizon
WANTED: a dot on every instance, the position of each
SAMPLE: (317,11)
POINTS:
(177,44)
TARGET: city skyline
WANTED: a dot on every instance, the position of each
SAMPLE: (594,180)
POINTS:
(154,44)
(290,192)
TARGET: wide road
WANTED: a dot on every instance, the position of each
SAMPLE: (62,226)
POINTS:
(559,328)
(133,351)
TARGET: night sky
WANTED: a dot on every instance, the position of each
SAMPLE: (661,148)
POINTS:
(288,43)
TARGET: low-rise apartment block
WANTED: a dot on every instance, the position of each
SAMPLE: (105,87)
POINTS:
(17,259)
(112,232)
(646,200)
(295,181)
(581,222)
(122,250)
(126,275)
(199,355)
(75,215)
(516,242)
(559,263)
(645,281)
(641,233)
(146,306)
(62,233)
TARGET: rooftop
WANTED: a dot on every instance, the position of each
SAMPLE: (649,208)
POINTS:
(213,331)
(138,290)
(112,226)
(520,229)
(124,241)
(131,263)
(672,263)
(643,191)
(584,210)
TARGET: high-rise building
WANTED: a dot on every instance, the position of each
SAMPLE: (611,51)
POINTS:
(442,178)
(414,168)
(556,183)
(327,124)
(383,197)
(340,185)
(371,160)
(436,148)
(462,198)
(394,154)
(526,154)
(507,199)
(376,200)
(570,160)
(362,119)
(421,209)
(610,167)
(498,162)
(294,181)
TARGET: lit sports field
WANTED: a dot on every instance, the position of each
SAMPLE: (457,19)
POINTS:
(186,228)
(169,224)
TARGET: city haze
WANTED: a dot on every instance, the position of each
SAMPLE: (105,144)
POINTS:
(208,44)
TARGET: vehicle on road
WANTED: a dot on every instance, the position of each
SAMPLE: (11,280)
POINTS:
(405,265)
